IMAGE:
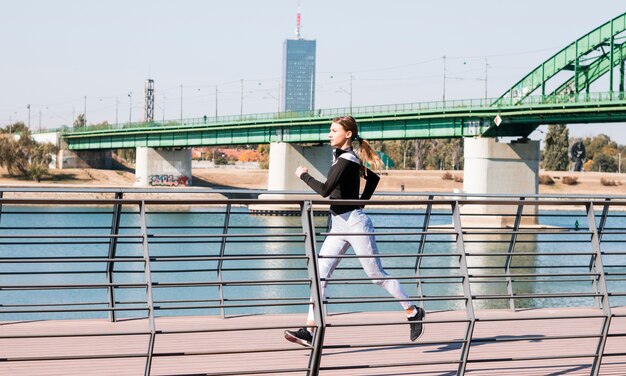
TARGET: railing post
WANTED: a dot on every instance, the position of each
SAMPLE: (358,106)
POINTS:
(1,196)
(467,293)
(598,267)
(594,282)
(115,229)
(420,250)
(509,257)
(148,278)
(220,261)
(308,228)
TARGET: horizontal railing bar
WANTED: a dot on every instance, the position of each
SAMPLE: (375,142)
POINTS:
(78,236)
(531,318)
(533,275)
(527,358)
(54,304)
(69,335)
(67,259)
(535,296)
(416,277)
(391,300)
(116,309)
(230,235)
(215,306)
(379,233)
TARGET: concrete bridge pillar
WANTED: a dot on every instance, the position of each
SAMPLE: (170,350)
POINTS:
(500,168)
(285,158)
(162,167)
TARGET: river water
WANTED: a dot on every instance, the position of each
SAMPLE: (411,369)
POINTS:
(440,293)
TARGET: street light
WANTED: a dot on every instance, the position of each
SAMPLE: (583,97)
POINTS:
(130,107)
(28,106)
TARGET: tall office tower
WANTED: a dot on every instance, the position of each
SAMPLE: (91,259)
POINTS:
(298,78)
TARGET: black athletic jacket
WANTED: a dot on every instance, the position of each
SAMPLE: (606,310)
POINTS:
(343,181)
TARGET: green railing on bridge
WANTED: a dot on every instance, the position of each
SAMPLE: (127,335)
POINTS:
(449,119)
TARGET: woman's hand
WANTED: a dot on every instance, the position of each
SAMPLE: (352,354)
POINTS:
(301,170)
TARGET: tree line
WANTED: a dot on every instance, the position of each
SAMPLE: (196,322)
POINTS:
(22,156)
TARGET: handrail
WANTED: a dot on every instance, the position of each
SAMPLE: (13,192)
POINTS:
(188,256)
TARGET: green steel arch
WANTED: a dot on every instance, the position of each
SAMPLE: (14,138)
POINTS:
(589,49)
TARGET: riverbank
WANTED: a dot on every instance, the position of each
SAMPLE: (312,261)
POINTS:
(588,183)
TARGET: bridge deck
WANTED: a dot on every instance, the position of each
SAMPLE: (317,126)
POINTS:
(246,352)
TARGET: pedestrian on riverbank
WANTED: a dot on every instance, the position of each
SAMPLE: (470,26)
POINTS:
(343,182)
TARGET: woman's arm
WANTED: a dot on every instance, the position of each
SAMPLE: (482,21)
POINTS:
(371,182)
(325,189)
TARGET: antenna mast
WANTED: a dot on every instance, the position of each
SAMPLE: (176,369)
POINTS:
(298,23)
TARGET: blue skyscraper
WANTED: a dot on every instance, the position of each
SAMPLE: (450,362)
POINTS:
(298,78)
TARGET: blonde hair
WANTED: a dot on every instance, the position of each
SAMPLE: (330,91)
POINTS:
(365,152)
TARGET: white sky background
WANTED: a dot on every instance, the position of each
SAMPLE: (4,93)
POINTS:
(54,53)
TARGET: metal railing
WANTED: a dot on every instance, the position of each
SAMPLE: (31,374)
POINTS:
(130,255)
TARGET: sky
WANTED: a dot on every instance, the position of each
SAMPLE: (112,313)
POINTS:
(63,57)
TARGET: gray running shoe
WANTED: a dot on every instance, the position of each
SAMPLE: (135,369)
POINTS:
(301,337)
(417,329)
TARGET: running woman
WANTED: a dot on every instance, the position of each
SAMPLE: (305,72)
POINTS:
(343,182)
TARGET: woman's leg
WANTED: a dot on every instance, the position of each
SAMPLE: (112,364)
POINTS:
(365,246)
(332,246)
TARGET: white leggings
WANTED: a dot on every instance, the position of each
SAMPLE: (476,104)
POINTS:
(356,221)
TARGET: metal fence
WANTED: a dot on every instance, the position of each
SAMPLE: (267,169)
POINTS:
(117,255)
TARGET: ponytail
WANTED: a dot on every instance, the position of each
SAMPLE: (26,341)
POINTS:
(368,155)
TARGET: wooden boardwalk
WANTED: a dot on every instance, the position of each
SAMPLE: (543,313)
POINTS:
(381,349)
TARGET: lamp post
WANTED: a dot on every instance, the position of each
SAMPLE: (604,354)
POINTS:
(444,80)
(181,103)
(216,91)
(130,107)
(28,106)
(164,100)
(241,100)
(116,111)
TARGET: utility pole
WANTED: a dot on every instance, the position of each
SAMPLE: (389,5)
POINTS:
(130,107)
(351,78)
(444,80)
(181,103)
(241,100)
(85,110)
(40,120)
(164,100)
(117,110)
(278,95)
(486,69)
(215,101)
(28,106)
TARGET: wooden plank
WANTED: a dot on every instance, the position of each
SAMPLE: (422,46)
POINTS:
(360,343)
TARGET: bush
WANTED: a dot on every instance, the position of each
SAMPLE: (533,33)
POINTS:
(570,180)
(446,176)
(458,178)
(609,183)
(545,180)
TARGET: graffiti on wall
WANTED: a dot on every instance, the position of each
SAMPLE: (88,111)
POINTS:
(168,180)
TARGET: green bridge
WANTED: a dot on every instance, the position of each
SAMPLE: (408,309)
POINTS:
(520,110)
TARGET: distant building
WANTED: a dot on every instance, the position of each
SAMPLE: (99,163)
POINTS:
(298,77)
